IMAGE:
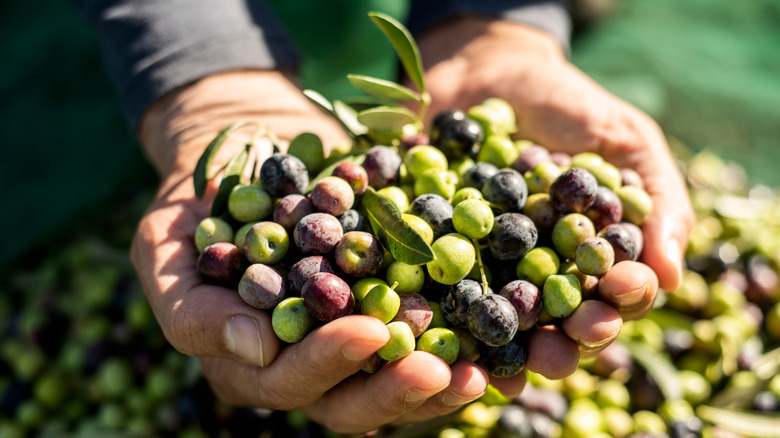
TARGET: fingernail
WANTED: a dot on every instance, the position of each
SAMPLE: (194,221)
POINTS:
(417,395)
(360,349)
(454,400)
(631,297)
(596,345)
(242,336)
(674,255)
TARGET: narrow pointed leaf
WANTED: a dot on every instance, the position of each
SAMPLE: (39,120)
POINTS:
(319,99)
(351,126)
(328,171)
(658,367)
(740,396)
(404,242)
(768,365)
(203,171)
(386,118)
(404,45)
(348,118)
(747,423)
(362,103)
(670,319)
(382,88)
(231,178)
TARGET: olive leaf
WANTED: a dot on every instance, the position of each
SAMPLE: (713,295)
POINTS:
(404,45)
(233,173)
(658,367)
(386,118)
(404,242)
(670,319)
(339,111)
(348,117)
(319,99)
(328,171)
(742,422)
(382,88)
(203,171)
(364,102)
(739,396)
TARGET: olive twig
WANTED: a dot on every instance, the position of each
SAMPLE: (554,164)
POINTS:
(425,102)
(481,268)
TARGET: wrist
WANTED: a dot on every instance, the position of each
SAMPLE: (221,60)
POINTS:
(468,58)
(177,127)
(470,37)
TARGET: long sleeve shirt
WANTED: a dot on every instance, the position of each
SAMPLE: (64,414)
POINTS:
(152,47)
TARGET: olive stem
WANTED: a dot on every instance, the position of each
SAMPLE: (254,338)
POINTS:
(729,356)
(481,268)
(495,206)
(261,130)
(395,285)
(425,101)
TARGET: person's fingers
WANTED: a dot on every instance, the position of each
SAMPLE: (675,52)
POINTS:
(510,387)
(667,226)
(197,319)
(630,288)
(468,383)
(304,371)
(365,402)
(551,353)
(593,326)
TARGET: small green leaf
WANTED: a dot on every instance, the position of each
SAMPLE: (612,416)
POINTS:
(232,177)
(738,396)
(658,367)
(328,171)
(768,365)
(348,117)
(742,422)
(386,118)
(404,45)
(319,99)
(667,318)
(382,88)
(203,172)
(404,242)
(339,111)
(362,103)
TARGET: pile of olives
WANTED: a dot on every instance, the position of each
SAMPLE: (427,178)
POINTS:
(516,237)
(705,362)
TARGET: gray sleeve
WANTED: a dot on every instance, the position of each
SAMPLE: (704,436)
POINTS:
(548,15)
(151,47)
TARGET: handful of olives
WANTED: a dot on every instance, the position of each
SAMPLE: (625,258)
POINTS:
(515,237)
(459,238)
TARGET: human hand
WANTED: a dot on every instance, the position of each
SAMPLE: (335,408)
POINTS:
(240,354)
(470,59)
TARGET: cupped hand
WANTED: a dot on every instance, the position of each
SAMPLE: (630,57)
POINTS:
(241,357)
(470,59)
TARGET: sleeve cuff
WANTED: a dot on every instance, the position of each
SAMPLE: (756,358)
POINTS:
(152,48)
(550,16)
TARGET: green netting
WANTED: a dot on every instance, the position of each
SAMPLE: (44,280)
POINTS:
(337,38)
(65,142)
(707,70)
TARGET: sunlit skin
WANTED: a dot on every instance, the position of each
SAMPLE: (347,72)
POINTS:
(467,61)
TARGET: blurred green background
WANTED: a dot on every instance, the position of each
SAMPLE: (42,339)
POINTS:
(75,182)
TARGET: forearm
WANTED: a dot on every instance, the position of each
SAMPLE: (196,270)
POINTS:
(152,48)
(548,16)
(470,59)
(177,128)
